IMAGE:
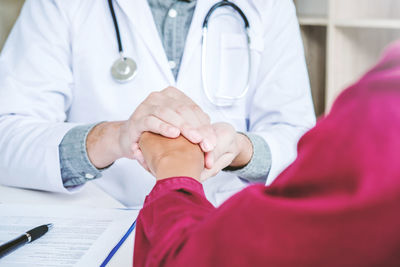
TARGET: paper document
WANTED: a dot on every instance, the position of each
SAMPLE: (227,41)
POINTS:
(79,237)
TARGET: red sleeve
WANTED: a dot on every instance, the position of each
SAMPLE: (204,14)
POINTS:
(168,215)
(282,225)
(178,226)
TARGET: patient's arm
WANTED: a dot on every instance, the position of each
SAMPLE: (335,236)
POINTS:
(171,157)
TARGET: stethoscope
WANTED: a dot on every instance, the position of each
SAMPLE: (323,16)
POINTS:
(124,68)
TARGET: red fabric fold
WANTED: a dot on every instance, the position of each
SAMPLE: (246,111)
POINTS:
(337,205)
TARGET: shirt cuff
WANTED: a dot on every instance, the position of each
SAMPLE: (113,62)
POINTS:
(257,170)
(184,184)
(76,168)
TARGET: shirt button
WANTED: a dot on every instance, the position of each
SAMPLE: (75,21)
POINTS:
(172,64)
(89,176)
(172,13)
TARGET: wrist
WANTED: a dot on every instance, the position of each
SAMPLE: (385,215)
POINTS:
(102,144)
(245,153)
(178,165)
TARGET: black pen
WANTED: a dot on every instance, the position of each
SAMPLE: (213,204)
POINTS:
(28,237)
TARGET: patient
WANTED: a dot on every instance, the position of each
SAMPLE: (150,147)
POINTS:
(338,204)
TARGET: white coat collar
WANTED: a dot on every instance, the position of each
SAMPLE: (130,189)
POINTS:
(193,40)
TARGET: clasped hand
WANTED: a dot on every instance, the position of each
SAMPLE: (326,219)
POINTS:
(169,113)
(166,157)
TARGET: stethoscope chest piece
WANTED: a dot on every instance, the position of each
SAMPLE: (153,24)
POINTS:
(124,69)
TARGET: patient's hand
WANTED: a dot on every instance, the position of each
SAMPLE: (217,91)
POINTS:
(167,157)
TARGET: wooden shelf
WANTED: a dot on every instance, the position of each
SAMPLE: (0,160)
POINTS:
(351,23)
(313,21)
(368,23)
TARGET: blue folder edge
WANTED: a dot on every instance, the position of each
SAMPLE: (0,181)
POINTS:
(119,244)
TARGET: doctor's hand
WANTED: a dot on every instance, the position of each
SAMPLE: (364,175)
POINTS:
(233,149)
(169,113)
(166,157)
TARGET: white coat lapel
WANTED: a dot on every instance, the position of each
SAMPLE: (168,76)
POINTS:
(141,18)
(193,40)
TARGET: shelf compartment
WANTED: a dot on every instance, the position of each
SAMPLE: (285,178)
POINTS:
(366,9)
(9,11)
(314,39)
(355,51)
(312,8)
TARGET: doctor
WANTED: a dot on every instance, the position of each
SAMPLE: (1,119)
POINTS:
(66,118)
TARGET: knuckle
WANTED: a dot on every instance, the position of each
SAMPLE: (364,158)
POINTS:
(199,111)
(207,118)
(185,108)
(147,122)
(158,111)
(195,107)
(163,127)
(153,96)
(165,110)
(170,89)
(226,132)
(185,125)
(211,136)
(181,109)
(134,117)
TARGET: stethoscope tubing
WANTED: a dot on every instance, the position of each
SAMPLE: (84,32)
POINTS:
(116,26)
(221,100)
(218,100)
(222,4)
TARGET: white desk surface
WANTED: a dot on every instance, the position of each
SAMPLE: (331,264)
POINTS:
(90,196)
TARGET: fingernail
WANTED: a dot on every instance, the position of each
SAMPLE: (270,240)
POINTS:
(195,136)
(173,131)
(209,163)
(206,146)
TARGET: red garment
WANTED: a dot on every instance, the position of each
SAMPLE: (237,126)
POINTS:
(338,204)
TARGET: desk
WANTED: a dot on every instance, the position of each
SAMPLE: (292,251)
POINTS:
(90,196)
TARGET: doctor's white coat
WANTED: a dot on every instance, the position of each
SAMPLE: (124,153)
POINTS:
(55,75)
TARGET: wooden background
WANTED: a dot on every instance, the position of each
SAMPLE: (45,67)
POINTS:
(342,40)
(9,10)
